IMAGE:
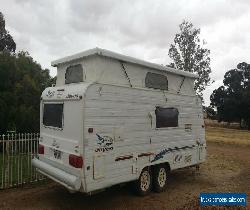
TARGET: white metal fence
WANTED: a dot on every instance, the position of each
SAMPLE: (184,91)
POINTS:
(16,152)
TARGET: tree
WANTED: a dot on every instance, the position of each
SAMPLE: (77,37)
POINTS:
(233,99)
(6,41)
(188,54)
(22,81)
(209,112)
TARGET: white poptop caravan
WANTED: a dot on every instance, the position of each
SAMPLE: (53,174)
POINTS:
(112,119)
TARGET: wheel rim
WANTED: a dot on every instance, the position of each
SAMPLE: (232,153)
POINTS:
(162,177)
(145,180)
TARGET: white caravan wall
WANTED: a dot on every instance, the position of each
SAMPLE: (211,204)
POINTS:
(122,114)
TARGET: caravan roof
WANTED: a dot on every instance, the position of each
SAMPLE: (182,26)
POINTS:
(117,56)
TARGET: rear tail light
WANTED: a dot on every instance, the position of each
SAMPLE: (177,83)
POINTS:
(40,149)
(76,161)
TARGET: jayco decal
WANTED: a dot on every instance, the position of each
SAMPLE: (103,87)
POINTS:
(72,96)
(161,154)
(105,143)
(177,158)
(50,93)
(188,158)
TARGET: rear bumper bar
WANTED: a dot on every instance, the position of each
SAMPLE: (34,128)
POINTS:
(70,181)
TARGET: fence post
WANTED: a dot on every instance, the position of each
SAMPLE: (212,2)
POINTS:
(3,161)
(8,161)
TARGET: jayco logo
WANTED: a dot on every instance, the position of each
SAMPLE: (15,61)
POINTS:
(50,93)
(105,143)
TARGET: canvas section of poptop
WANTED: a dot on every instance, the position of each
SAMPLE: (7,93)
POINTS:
(120,57)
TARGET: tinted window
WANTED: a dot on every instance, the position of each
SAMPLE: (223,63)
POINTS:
(156,81)
(53,115)
(166,117)
(74,74)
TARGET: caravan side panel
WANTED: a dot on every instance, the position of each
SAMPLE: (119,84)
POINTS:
(124,138)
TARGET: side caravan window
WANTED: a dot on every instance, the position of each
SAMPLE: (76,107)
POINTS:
(166,117)
(74,74)
(156,81)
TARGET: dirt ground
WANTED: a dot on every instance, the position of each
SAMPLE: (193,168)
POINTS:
(227,169)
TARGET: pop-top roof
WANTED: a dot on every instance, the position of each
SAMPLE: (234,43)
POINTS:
(120,57)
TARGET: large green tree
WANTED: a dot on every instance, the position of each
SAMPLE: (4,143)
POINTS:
(188,54)
(6,41)
(232,100)
(22,81)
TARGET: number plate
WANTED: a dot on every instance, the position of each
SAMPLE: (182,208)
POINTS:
(57,154)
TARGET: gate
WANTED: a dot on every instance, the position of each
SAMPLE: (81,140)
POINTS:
(16,153)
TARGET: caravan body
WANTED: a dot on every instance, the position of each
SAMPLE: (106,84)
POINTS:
(111,116)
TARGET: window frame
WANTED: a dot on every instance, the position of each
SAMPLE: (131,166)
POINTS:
(166,128)
(83,73)
(53,127)
(162,75)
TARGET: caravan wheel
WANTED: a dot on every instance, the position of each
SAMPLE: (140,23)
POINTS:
(144,184)
(160,178)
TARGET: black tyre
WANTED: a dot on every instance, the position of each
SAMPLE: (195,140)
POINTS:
(144,184)
(160,178)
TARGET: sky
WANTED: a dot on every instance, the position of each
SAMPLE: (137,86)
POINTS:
(50,29)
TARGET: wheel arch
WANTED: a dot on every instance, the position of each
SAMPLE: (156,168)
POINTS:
(166,164)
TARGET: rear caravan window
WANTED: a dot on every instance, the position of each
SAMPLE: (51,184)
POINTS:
(166,117)
(74,74)
(156,81)
(53,115)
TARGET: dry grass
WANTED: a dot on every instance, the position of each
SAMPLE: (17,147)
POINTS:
(215,123)
(226,135)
